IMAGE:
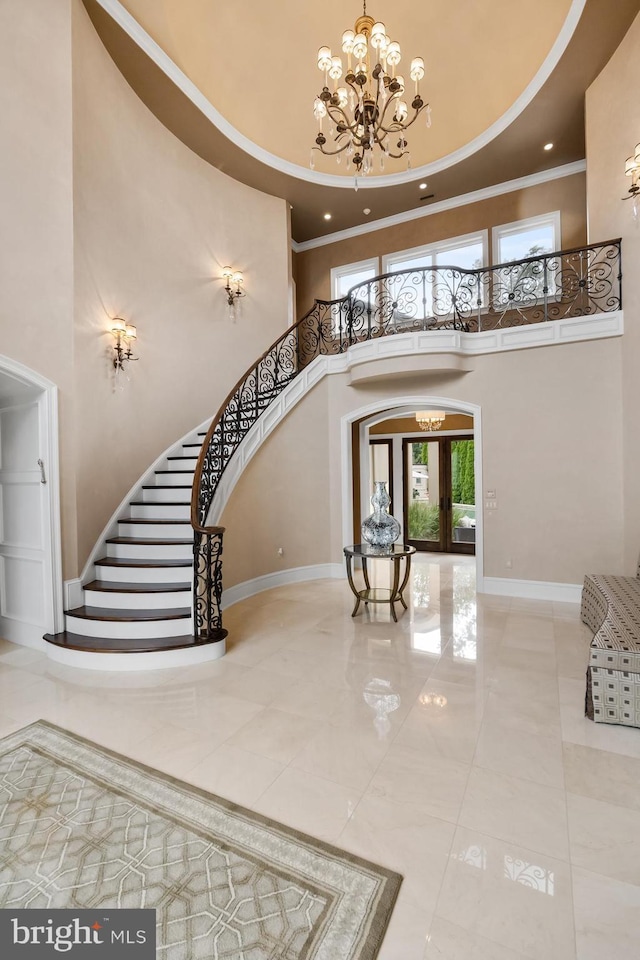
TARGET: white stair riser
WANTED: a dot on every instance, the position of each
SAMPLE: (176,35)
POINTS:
(159,511)
(182,531)
(174,479)
(182,463)
(158,495)
(148,551)
(144,574)
(137,630)
(113,600)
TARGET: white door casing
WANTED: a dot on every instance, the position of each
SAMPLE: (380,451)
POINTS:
(30,549)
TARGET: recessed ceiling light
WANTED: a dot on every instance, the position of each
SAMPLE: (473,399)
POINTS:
(327,216)
(548,146)
(367,211)
(423,186)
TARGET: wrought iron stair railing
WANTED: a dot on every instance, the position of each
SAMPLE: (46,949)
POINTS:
(537,289)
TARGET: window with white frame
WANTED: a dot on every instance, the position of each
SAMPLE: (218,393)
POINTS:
(354,277)
(526,238)
(511,242)
(435,292)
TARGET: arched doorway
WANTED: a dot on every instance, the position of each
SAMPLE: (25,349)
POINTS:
(30,550)
(356,428)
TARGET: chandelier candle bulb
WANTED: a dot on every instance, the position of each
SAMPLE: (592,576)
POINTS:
(360,48)
(324,59)
(393,55)
(378,35)
(336,69)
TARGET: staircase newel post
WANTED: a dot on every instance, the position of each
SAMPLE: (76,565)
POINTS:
(207,585)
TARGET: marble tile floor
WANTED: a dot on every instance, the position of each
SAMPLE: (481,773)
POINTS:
(450,746)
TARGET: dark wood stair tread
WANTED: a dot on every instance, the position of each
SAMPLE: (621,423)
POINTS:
(129,616)
(189,445)
(131,562)
(112,586)
(173,471)
(151,520)
(162,503)
(78,641)
(150,542)
(166,486)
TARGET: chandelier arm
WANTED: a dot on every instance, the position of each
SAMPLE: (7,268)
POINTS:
(398,156)
(330,153)
(341,117)
(395,126)
(405,126)
(394,98)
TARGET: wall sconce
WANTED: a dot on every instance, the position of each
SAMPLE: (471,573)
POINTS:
(430,419)
(433,700)
(233,278)
(125,334)
(632,169)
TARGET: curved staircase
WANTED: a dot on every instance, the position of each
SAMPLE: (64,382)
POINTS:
(140,600)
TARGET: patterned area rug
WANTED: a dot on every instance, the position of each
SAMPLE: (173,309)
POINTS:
(81,826)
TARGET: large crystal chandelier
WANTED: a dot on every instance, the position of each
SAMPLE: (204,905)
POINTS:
(371,110)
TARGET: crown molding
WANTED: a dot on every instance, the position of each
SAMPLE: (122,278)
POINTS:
(486,193)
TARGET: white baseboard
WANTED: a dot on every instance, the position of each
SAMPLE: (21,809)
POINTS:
(73,594)
(248,588)
(23,634)
(534,589)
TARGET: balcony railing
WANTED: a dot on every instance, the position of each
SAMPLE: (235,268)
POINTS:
(569,283)
(540,289)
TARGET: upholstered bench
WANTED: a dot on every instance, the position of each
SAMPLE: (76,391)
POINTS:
(611,608)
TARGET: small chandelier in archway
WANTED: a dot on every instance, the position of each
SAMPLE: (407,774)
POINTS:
(430,419)
(371,110)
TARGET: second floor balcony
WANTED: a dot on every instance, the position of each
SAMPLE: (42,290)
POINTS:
(583,281)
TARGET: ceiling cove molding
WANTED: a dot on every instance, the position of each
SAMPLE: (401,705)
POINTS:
(508,186)
(131,26)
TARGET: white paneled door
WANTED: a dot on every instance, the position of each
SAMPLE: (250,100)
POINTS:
(26,599)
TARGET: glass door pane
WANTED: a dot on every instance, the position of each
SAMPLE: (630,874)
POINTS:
(380,466)
(422,497)
(463,501)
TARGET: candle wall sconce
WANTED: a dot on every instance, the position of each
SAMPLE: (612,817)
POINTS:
(632,169)
(125,335)
(233,289)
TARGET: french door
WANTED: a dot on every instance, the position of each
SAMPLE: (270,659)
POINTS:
(439,493)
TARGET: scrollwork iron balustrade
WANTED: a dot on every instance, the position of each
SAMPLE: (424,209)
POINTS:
(546,287)
(207,595)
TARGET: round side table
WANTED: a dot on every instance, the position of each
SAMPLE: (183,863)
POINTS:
(396,553)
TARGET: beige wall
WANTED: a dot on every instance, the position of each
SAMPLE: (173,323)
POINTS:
(613,130)
(282,498)
(313,267)
(105,213)
(154,225)
(551,449)
(36,204)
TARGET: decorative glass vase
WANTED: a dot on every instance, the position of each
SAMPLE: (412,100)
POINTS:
(380,529)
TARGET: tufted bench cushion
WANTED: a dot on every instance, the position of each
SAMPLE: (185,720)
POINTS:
(611,608)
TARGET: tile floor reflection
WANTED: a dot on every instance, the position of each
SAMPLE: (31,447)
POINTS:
(450,746)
